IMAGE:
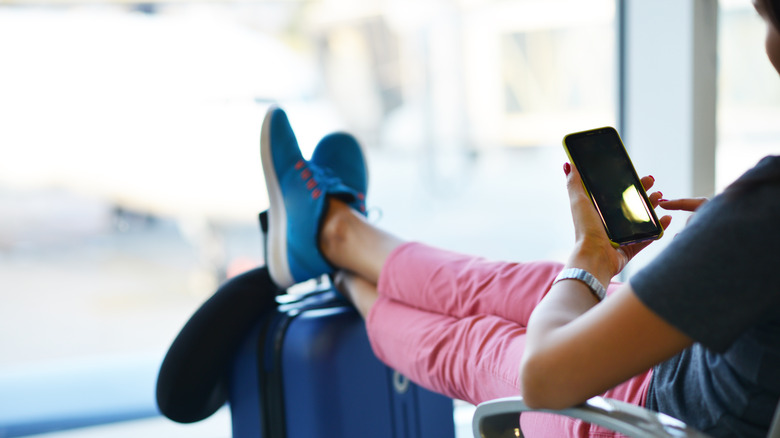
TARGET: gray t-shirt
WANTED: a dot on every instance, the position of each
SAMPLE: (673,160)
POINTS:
(718,282)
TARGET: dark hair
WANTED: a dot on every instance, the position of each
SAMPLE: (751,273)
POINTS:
(773,10)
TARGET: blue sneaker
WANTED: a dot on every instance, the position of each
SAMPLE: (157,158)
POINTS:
(297,193)
(341,153)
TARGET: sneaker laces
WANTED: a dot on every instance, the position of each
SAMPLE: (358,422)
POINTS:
(331,184)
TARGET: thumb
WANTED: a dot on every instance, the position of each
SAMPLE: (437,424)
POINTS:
(573,182)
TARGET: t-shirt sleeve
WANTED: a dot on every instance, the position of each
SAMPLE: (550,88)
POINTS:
(718,276)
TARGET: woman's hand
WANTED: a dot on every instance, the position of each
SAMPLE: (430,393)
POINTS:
(575,348)
(593,251)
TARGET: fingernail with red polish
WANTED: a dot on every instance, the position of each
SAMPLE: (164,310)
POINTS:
(652,177)
(566,168)
(663,200)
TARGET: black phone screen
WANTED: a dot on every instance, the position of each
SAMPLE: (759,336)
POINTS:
(613,184)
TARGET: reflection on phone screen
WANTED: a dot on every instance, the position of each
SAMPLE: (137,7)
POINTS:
(633,206)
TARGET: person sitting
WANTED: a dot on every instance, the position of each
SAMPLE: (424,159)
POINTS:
(695,334)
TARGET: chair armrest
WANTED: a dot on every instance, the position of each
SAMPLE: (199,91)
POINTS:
(774,429)
(500,418)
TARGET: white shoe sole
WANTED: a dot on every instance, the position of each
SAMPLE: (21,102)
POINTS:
(277,263)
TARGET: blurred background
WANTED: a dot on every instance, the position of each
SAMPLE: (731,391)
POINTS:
(130,178)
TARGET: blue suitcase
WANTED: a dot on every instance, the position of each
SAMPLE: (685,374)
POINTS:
(307,370)
(291,366)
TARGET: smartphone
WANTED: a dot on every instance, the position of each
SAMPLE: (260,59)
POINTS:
(613,185)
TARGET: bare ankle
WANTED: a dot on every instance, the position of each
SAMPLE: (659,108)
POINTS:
(361,293)
(349,242)
(335,228)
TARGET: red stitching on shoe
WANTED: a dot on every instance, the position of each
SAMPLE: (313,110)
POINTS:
(299,164)
(361,196)
(310,184)
(315,194)
(305,174)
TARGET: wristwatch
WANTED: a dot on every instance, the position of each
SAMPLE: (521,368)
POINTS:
(586,277)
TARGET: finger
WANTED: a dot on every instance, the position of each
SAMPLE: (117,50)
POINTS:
(573,182)
(685,204)
(571,172)
(584,215)
(654,198)
(647,182)
(635,248)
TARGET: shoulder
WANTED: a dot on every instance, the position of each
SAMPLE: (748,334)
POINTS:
(764,178)
(712,280)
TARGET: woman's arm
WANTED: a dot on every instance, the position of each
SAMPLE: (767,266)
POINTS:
(575,349)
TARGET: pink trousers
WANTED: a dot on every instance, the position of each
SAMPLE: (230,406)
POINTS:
(456,324)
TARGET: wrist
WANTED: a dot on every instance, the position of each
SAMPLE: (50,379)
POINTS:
(597,260)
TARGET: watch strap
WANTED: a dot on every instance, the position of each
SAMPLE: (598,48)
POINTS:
(586,277)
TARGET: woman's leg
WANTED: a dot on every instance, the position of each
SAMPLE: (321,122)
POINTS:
(457,348)
(347,240)
(429,278)
(474,358)
(461,285)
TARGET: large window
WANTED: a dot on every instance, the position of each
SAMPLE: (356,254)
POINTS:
(748,93)
(130,178)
